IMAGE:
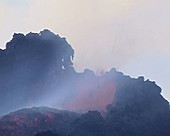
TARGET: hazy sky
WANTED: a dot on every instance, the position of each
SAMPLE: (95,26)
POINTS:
(130,35)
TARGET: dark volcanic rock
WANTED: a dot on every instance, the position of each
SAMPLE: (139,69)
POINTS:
(27,122)
(30,66)
(47,133)
(138,109)
(36,65)
(89,124)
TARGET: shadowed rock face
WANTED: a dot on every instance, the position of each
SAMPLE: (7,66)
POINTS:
(36,65)
(30,66)
(27,122)
(91,124)
(47,133)
(36,69)
(138,109)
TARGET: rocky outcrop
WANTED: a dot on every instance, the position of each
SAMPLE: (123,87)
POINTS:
(138,109)
(38,67)
(28,122)
(91,124)
(30,66)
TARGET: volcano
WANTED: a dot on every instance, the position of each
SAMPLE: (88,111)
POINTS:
(37,71)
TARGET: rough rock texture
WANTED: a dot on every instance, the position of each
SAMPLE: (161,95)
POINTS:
(47,133)
(138,109)
(27,122)
(36,65)
(88,124)
(30,66)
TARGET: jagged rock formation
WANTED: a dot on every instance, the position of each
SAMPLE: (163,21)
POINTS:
(88,124)
(138,109)
(30,66)
(35,66)
(27,122)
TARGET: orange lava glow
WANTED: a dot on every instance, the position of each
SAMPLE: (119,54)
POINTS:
(92,94)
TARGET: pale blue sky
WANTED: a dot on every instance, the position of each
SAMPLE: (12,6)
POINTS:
(17,3)
(131,35)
